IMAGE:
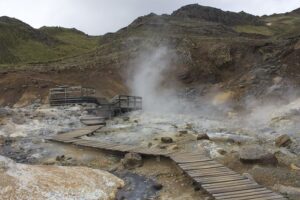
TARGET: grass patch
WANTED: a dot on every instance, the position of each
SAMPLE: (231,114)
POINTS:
(262,30)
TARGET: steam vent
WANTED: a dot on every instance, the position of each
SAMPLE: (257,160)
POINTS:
(198,103)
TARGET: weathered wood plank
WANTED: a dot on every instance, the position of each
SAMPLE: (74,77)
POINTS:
(229,197)
(185,161)
(211,174)
(240,192)
(231,183)
(202,167)
(256,196)
(232,189)
(205,181)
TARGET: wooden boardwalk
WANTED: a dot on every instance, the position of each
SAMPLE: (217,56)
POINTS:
(73,135)
(219,181)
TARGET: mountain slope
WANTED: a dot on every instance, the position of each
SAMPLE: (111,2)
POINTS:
(20,43)
(244,57)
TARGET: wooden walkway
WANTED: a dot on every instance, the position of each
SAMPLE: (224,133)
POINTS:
(74,135)
(219,181)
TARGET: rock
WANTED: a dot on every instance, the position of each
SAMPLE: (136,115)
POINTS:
(286,158)
(221,151)
(249,176)
(4,112)
(294,167)
(17,119)
(50,161)
(189,126)
(291,192)
(257,154)
(202,136)
(44,86)
(22,181)
(173,147)
(283,141)
(182,132)
(157,186)
(60,158)
(166,139)
(132,160)
(197,188)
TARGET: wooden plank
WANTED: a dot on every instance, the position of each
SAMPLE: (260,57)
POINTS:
(209,171)
(183,161)
(246,191)
(205,181)
(233,189)
(231,186)
(197,166)
(211,174)
(256,196)
(244,194)
(187,156)
(232,183)
(220,169)
(269,198)
(222,177)
(184,154)
(202,167)
(196,163)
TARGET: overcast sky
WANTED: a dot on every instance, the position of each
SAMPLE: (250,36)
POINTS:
(97,17)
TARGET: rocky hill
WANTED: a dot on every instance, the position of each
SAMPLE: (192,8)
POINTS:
(229,51)
(196,11)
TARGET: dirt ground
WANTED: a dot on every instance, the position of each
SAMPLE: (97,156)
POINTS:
(24,87)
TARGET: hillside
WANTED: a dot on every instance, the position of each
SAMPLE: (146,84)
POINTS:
(198,12)
(238,52)
(20,43)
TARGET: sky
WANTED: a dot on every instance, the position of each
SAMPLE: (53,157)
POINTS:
(97,17)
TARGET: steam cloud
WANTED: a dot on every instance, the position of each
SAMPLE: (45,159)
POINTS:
(150,70)
(148,79)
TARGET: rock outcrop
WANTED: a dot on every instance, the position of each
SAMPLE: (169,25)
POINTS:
(216,15)
(20,181)
(257,154)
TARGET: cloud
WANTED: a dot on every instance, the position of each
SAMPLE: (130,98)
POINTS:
(97,17)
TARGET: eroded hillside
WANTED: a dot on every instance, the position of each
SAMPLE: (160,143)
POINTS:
(213,49)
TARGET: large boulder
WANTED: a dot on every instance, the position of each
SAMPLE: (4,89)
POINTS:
(132,160)
(20,181)
(257,154)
